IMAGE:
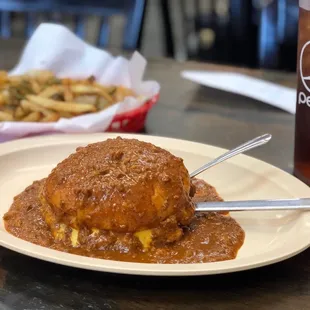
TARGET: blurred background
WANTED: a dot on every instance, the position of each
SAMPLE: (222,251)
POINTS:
(247,33)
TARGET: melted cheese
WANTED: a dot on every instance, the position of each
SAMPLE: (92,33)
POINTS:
(145,237)
(59,234)
(74,237)
(95,231)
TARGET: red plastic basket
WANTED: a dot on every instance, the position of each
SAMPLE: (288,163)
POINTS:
(132,121)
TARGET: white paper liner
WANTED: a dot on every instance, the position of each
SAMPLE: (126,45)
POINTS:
(55,48)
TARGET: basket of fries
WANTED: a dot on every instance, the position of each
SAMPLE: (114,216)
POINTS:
(46,94)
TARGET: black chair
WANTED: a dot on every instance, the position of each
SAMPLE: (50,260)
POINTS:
(277,39)
(257,33)
(219,35)
(133,10)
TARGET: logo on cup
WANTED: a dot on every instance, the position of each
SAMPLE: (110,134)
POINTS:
(302,97)
(305,79)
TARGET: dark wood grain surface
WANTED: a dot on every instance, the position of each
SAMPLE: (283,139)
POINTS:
(196,113)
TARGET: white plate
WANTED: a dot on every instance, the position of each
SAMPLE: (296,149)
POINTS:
(270,236)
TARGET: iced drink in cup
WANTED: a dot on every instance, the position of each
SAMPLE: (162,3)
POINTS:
(302,126)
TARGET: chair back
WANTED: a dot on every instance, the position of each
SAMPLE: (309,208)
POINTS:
(55,10)
(277,35)
(257,33)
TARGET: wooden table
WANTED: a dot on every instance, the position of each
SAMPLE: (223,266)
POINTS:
(187,111)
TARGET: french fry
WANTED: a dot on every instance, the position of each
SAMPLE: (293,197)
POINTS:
(6,117)
(65,114)
(80,89)
(72,107)
(20,113)
(3,77)
(15,78)
(37,108)
(102,103)
(68,95)
(41,75)
(8,109)
(54,117)
(91,99)
(2,99)
(32,117)
(110,89)
(5,97)
(122,92)
(51,91)
(48,115)
(35,86)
